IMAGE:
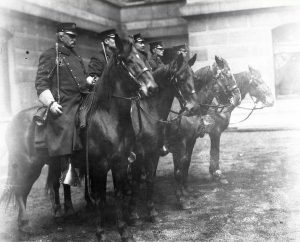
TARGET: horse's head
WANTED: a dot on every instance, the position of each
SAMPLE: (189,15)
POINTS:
(135,68)
(259,89)
(182,78)
(225,82)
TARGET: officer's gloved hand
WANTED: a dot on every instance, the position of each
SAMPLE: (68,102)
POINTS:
(92,80)
(56,108)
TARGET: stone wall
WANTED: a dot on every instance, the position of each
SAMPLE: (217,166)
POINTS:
(32,32)
(241,34)
(156,22)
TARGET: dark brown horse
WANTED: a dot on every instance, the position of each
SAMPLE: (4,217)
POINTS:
(110,134)
(150,115)
(210,82)
(251,83)
(124,76)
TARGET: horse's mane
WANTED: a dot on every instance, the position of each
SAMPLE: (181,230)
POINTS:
(202,77)
(242,81)
(169,55)
(103,89)
(159,73)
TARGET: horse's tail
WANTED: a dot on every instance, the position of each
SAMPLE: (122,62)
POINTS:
(9,189)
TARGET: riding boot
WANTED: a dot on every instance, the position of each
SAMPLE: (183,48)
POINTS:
(206,124)
(69,175)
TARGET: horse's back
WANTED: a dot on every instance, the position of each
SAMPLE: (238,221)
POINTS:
(20,131)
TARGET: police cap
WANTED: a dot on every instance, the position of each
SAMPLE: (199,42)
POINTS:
(69,28)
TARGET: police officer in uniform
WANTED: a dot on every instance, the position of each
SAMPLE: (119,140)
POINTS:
(180,49)
(63,94)
(157,51)
(107,49)
(139,43)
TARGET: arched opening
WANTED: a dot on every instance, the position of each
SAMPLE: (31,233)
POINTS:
(286,47)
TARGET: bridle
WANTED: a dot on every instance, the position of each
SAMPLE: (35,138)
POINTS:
(135,79)
(175,83)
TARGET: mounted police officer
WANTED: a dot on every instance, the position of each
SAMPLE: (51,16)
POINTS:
(61,83)
(108,48)
(139,43)
(157,51)
(181,49)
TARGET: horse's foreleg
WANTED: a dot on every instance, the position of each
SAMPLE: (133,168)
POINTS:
(150,163)
(186,166)
(136,172)
(68,206)
(180,160)
(122,193)
(214,166)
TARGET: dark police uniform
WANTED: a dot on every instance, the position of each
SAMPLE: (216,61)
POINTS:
(97,63)
(155,62)
(61,135)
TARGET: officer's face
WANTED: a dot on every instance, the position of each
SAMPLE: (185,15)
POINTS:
(183,52)
(159,51)
(110,42)
(69,40)
(140,45)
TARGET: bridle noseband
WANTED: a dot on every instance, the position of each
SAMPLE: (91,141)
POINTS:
(181,98)
(131,75)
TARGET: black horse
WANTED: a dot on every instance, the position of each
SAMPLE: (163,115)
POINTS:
(249,82)
(124,76)
(210,82)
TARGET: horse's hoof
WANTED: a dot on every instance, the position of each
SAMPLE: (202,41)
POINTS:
(184,205)
(25,229)
(224,181)
(69,211)
(100,235)
(154,219)
(131,239)
(134,219)
(219,177)
(57,212)
(23,235)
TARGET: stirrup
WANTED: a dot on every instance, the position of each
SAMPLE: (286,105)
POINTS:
(70,177)
(164,151)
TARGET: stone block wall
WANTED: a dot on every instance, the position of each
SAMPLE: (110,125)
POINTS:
(242,37)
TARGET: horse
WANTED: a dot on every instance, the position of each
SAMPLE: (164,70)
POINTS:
(175,80)
(125,74)
(249,82)
(181,137)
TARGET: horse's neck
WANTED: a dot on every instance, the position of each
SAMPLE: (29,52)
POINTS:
(243,81)
(203,77)
(164,99)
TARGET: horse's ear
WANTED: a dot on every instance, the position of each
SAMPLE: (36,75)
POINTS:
(250,69)
(119,43)
(180,60)
(219,61)
(191,61)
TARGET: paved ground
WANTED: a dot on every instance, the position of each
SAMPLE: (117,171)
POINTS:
(261,201)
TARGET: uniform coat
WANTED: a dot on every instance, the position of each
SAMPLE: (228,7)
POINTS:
(61,136)
(98,63)
(155,62)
